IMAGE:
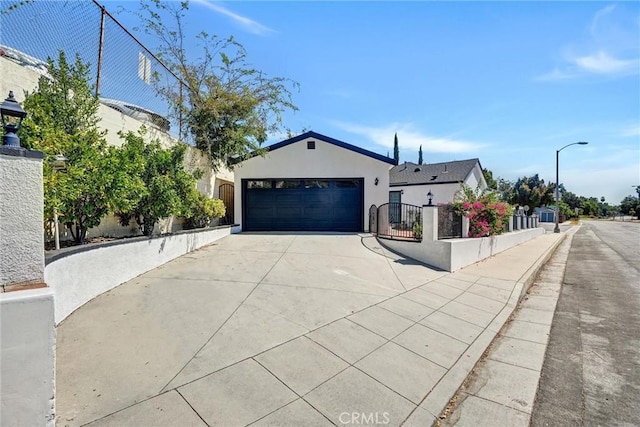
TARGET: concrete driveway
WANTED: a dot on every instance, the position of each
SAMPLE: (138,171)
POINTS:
(278,330)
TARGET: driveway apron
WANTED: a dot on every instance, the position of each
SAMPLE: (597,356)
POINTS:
(272,329)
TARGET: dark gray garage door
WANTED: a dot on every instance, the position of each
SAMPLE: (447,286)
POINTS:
(303,204)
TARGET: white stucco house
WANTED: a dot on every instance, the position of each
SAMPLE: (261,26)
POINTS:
(409,182)
(310,182)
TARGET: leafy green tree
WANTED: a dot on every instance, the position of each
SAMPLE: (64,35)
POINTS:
(504,188)
(420,155)
(488,176)
(62,121)
(531,191)
(571,199)
(396,149)
(628,203)
(591,207)
(167,187)
(230,107)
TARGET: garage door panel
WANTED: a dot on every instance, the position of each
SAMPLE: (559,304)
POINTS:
(318,205)
(288,211)
(288,197)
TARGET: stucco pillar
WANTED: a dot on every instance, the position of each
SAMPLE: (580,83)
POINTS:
(21,217)
(27,348)
(465,227)
(510,228)
(429,223)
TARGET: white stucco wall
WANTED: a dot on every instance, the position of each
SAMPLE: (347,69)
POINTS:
(417,194)
(27,358)
(326,161)
(21,219)
(453,254)
(81,276)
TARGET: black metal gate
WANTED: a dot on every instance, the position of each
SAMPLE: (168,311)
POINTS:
(225,192)
(449,222)
(373,219)
(399,221)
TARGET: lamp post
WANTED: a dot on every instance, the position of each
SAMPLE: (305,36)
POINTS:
(557,227)
(430,198)
(12,115)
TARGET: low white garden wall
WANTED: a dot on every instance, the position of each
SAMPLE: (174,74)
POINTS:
(453,254)
(79,276)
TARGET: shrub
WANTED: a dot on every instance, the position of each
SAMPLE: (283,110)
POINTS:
(203,211)
(487,215)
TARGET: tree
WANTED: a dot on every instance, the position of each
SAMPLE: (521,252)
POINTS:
(572,200)
(230,107)
(63,121)
(488,176)
(628,203)
(168,189)
(420,155)
(531,191)
(396,150)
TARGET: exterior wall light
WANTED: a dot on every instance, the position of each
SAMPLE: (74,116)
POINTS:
(430,198)
(12,115)
(375,182)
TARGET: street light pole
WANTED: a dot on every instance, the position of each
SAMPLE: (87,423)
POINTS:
(557,215)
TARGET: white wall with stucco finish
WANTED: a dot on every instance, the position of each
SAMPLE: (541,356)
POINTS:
(453,254)
(21,219)
(83,275)
(326,161)
(27,358)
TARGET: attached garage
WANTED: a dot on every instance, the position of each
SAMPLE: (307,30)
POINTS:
(310,183)
(310,204)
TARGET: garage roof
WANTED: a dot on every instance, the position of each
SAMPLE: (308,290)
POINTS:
(333,141)
(435,173)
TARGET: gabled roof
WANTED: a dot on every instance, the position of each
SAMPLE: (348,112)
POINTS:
(333,141)
(435,173)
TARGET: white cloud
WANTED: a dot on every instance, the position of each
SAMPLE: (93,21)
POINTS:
(603,63)
(631,131)
(247,23)
(597,18)
(610,50)
(408,137)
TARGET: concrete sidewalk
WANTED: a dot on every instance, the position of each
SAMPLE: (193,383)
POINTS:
(270,329)
(501,389)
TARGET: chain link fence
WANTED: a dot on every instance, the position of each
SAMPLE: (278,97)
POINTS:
(125,73)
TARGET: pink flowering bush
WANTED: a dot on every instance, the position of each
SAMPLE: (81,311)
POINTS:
(487,215)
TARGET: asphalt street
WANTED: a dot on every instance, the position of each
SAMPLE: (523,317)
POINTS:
(591,373)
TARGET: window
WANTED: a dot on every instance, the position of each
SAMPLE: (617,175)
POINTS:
(316,183)
(347,183)
(295,183)
(261,184)
(311,145)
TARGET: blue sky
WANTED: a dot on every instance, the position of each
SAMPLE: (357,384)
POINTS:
(507,82)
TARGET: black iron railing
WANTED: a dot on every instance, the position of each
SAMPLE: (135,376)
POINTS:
(449,222)
(399,221)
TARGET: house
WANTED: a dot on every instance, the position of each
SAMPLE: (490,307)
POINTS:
(409,182)
(310,182)
(546,213)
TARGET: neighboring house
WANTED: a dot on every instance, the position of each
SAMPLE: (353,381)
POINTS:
(21,72)
(310,183)
(545,213)
(409,182)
